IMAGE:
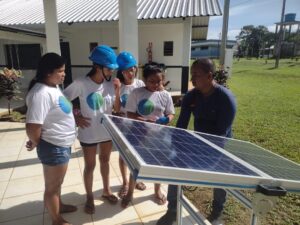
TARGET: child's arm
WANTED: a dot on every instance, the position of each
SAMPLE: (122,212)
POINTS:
(171,117)
(117,102)
(169,112)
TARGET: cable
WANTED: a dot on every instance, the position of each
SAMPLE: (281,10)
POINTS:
(241,3)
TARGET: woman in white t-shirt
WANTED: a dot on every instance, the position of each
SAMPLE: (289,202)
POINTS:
(151,104)
(97,94)
(50,126)
(127,75)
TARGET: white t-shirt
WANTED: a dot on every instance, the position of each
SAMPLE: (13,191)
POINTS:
(49,107)
(126,90)
(150,105)
(95,99)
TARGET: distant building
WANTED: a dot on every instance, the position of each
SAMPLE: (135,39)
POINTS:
(209,48)
(289,48)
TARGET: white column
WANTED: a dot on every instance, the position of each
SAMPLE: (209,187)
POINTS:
(51,26)
(128,27)
(186,41)
(186,53)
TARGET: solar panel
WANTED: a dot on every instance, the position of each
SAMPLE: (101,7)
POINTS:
(167,154)
(268,162)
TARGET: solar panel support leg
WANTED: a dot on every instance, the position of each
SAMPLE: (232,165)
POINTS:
(260,205)
(179,206)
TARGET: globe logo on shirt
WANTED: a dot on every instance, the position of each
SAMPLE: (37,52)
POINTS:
(64,104)
(94,101)
(123,100)
(145,107)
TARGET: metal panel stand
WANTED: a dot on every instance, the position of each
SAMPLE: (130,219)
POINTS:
(179,205)
(260,205)
(183,202)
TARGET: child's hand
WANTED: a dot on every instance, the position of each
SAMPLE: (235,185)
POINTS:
(163,120)
(82,121)
(30,145)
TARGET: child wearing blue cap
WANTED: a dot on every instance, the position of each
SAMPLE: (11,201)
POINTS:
(127,75)
(97,95)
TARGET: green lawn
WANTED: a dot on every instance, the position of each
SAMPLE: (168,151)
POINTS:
(268,105)
(269,115)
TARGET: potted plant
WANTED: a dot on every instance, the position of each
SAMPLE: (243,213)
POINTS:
(9,85)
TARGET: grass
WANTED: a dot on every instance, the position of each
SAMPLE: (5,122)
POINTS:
(268,105)
(269,115)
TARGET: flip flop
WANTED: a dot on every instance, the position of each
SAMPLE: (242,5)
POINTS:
(89,208)
(125,202)
(123,191)
(140,186)
(64,208)
(110,198)
(161,200)
(64,222)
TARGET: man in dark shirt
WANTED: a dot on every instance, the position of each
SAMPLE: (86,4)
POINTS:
(214,108)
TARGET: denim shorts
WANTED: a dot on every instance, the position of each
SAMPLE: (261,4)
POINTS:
(52,155)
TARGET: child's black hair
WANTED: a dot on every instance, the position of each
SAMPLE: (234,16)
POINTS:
(152,69)
(47,64)
(94,70)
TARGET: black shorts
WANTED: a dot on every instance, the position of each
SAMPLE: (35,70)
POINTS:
(92,144)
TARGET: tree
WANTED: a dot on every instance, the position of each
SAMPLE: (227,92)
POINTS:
(9,84)
(252,39)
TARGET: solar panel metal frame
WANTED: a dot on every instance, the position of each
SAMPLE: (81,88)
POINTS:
(172,175)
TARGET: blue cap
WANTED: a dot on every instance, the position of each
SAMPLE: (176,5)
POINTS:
(125,60)
(105,56)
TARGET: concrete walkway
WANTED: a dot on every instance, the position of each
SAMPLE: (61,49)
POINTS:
(21,188)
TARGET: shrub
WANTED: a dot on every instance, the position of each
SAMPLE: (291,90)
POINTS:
(221,77)
(9,85)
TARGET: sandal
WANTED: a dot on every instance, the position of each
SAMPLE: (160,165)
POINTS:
(63,222)
(64,208)
(140,186)
(160,199)
(89,208)
(110,198)
(125,202)
(123,191)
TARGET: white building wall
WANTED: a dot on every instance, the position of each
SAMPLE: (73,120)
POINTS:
(158,34)
(81,35)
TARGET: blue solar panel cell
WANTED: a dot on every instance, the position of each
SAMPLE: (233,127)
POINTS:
(162,146)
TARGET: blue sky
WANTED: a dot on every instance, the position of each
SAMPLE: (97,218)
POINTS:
(251,12)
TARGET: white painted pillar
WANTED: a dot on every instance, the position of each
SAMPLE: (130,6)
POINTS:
(128,27)
(186,53)
(51,26)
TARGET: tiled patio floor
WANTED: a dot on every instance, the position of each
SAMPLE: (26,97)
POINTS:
(21,188)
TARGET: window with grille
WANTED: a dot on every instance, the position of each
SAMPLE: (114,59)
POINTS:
(168,48)
(23,56)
